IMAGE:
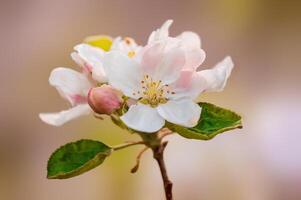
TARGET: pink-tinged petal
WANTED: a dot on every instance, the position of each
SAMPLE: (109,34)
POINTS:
(91,59)
(60,118)
(87,69)
(190,39)
(162,61)
(194,58)
(189,85)
(216,78)
(123,73)
(72,85)
(143,118)
(161,33)
(151,57)
(183,112)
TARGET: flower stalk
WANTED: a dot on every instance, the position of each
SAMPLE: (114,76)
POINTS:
(158,156)
(154,141)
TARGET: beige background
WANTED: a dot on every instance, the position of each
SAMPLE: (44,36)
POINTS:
(260,162)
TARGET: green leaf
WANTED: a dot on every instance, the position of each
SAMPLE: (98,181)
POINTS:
(76,158)
(213,121)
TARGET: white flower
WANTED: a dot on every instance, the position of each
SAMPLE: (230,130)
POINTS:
(163,80)
(90,57)
(157,82)
(126,45)
(74,87)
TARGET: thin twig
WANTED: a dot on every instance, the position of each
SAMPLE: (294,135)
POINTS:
(136,167)
(158,155)
(128,144)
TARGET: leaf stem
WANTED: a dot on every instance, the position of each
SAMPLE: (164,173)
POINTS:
(125,145)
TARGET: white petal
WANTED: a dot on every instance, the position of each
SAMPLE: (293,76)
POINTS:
(76,58)
(170,67)
(93,57)
(163,62)
(70,84)
(189,85)
(123,73)
(194,58)
(183,112)
(216,78)
(190,39)
(161,33)
(126,45)
(143,118)
(60,118)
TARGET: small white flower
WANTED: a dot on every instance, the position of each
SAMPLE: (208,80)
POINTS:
(74,86)
(126,45)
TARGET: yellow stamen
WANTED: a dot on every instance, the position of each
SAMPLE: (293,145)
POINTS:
(131,54)
(153,92)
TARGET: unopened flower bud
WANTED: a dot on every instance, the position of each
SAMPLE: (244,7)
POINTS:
(104,99)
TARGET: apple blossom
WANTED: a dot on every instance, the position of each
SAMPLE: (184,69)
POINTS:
(164,81)
(104,99)
(74,86)
(149,89)
(156,80)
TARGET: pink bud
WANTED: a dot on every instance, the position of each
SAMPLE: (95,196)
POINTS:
(104,99)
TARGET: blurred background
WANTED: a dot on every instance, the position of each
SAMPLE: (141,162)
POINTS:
(260,162)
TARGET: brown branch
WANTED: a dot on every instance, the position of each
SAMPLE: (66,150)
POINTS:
(158,155)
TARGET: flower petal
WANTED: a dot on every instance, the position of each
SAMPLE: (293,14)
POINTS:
(163,62)
(161,33)
(123,73)
(183,112)
(143,118)
(127,45)
(190,39)
(194,58)
(216,78)
(71,84)
(92,56)
(189,85)
(60,118)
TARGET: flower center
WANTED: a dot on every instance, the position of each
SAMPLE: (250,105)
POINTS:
(153,92)
(131,54)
